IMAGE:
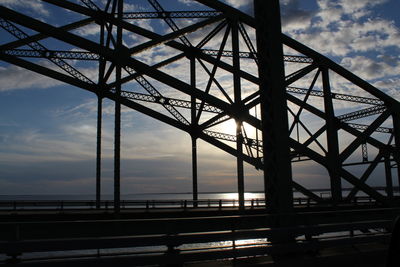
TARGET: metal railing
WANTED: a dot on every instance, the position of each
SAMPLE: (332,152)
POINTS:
(128,204)
(159,204)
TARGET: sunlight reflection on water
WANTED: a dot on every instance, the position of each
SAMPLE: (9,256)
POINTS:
(235,196)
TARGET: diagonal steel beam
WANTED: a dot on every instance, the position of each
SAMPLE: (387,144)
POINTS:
(140,79)
(290,42)
(18,33)
(185,41)
(173,35)
(171,101)
(341,172)
(337,96)
(307,192)
(362,113)
(154,92)
(48,72)
(313,137)
(392,106)
(211,34)
(291,78)
(340,124)
(361,138)
(40,36)
(230,150)
(161,64)
(248,42)
(250,55)
(90,4)
(125,101)
(150,35)
(222,90)
(111,55)
(395,105)
(297,115)
(122,57)
(213,71)
(365,175)
(169,21)
(92,88)
(229,11)
(172,14)
(77,55)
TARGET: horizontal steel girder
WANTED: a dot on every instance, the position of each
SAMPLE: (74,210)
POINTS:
(84,55)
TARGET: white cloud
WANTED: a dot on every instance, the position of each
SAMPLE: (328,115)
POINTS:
(131,7)
(189,2)
(351,7)
(340,28)
(368,68)
(294,17)
(31,5)
(328,13)
(13,77)
(88,30)
(238,3)
(333,11)
(389,86)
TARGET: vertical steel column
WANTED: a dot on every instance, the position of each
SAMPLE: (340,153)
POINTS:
(238,106)
(389,178)
(194,171)
(194,131)
(117,130)
(275,132)
(98,150)
(332,140)
(102,65)
(396,132)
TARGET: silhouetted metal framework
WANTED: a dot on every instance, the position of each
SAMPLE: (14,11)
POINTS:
(291,105)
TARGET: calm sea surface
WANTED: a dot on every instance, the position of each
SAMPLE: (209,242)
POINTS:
(143,196)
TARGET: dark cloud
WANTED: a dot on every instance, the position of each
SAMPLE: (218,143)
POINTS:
(292,13)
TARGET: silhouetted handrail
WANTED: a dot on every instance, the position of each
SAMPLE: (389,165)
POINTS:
(159,204)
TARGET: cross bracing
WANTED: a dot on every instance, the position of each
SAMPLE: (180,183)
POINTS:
(204,70)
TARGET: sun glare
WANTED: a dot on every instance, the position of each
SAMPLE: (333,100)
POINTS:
(229,127)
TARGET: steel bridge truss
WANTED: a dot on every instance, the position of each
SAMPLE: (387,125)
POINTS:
(207,69)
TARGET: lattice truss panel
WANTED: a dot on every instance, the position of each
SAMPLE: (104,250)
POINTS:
(197,70)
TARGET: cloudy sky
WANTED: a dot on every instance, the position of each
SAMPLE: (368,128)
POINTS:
(47,129)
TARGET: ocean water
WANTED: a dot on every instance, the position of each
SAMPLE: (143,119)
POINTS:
(139,196)
(142,200)
(152,200)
